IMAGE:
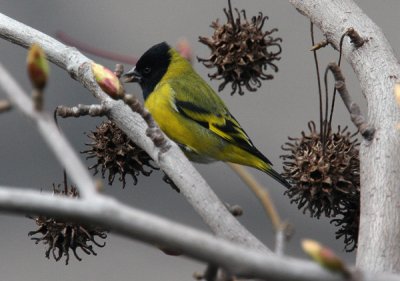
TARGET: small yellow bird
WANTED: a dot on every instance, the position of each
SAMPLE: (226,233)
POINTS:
(189,111)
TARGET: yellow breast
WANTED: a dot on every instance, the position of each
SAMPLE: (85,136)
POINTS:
(160,105)
(189,133)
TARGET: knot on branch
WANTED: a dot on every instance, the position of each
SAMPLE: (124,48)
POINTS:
(158,138)
(339,85)
(355,38)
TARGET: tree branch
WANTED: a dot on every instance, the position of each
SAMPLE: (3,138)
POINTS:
(133,223)
(355,112)
(377,70)
(174,163)
(94,110)
(50,133)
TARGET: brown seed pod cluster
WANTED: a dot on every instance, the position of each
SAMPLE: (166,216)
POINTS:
(117,154)
(241,51)
(326,177)
(61,237)
(348,222)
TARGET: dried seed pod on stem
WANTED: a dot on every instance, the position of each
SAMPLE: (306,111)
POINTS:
(117,154)
(63,236)
(241,51)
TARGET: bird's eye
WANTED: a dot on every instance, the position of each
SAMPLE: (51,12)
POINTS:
(147,70)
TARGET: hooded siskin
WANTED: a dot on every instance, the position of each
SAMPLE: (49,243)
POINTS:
(189,111)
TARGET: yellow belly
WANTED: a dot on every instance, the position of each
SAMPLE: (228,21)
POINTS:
(191,134)
(178,128)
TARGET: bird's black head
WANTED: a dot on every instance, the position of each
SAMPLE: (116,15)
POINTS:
(150,68)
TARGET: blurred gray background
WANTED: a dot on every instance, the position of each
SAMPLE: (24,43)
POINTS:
(281,108)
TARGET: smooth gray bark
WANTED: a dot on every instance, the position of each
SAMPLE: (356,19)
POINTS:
(377,70)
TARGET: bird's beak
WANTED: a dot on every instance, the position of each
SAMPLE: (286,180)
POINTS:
(132,76)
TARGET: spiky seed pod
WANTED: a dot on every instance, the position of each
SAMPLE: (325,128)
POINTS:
(117,154)
(323,176)
(241,51)
(349,222)
(61,236)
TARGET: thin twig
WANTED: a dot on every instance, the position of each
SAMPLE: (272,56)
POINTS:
(93,110)
(38,99)
(50,133)
(365,129)
(334,88)
(87,48)
(282,236)
(231,15)
(261,193)
(324,133)
(280,239)
(357,41)
(318,80)
(283,230)
(319,45)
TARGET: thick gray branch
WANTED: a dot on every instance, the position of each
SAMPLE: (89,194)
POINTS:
(174,163)
(155,230)
(377,70)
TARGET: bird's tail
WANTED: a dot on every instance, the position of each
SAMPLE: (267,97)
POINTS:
(250,156)
(262,163)
(276,176)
